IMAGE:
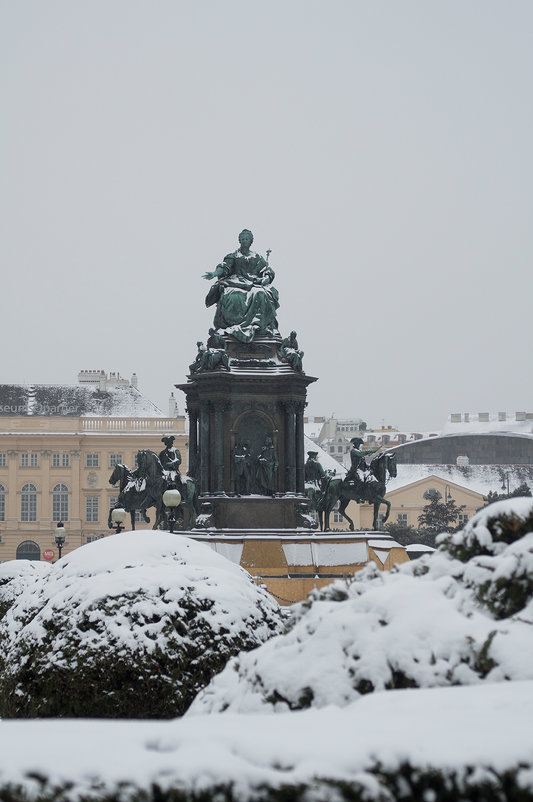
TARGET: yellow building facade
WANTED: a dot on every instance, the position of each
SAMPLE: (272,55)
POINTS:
(56,467)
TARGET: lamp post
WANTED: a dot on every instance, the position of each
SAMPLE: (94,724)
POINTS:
(172,499)
(60,537)
(118,514)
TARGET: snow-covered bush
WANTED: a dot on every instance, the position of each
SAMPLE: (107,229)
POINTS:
(463,615)
(129,626)
(15,577)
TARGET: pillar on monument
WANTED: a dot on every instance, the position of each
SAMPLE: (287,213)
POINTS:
(204,448)
(300,448)
(193,442)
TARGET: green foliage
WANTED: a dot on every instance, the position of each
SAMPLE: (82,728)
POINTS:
(80,668)
(440,515)
(481,535)
(523,490)
(409,534)
(408,782)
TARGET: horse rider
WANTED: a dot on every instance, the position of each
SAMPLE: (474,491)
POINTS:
(358,465)
(170,459)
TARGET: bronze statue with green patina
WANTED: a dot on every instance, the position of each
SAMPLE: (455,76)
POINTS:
(291,353)
(246,301)
(267,469)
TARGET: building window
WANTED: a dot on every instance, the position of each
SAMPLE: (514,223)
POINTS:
(61,460)
(91,509)
(28,503)
(115,459)
(29,460)
(60,503)
(112,501)
(402,518)
(2,503)
(340,449)
(92,538)
(92,461)
(385,439)
(138,517)
(462,519)
(381,520)
(3,460)
(28,550)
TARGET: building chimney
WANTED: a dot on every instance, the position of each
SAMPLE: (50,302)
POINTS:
(134,380)
(172,407)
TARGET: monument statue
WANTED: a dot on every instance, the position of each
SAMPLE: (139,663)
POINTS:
(246,301)
(209,358)
(242,469)
(368,488)
(289,351)
(358,465)
(267,469)
(170,459)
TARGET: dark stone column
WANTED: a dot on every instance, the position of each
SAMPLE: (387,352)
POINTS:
(290,447)
(193,443)
(220,408)
(204,448)
(300,455)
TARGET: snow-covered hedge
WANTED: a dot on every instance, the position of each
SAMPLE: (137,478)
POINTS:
(461,616)
(132,626)
(15,577)
(445,744)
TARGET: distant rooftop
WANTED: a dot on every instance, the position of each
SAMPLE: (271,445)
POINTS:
(96,395)
(481,422)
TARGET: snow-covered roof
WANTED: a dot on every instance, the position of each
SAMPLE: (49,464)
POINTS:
(479,478)
(74,401)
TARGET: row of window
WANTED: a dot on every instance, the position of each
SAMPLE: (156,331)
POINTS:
(30,459)
(60,504)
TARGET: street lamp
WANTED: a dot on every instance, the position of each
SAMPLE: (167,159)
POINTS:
(118,514)
(172,499)
(60,537)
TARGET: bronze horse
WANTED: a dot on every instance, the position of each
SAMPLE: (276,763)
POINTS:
(137,490)
(372,491)
(144,488)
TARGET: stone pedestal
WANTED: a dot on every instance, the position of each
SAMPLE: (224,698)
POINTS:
(259,396)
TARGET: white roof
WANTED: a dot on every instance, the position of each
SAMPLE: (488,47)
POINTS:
(479,478)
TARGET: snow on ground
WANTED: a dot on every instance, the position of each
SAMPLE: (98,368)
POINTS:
(487,727)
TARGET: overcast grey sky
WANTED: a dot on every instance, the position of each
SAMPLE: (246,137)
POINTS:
(382,150)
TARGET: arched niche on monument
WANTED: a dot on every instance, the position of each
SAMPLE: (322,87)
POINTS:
(253,429)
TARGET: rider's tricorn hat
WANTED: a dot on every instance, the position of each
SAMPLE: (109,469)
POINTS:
(312,453)
(357,440)
(168,439)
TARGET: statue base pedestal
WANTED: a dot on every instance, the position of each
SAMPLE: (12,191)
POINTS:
(254,512)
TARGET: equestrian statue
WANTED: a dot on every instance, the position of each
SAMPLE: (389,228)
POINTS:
(364,483)
(144,487)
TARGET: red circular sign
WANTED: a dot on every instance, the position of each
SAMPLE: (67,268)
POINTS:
(49,554)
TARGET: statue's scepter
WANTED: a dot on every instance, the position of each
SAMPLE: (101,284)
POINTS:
(262,271)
